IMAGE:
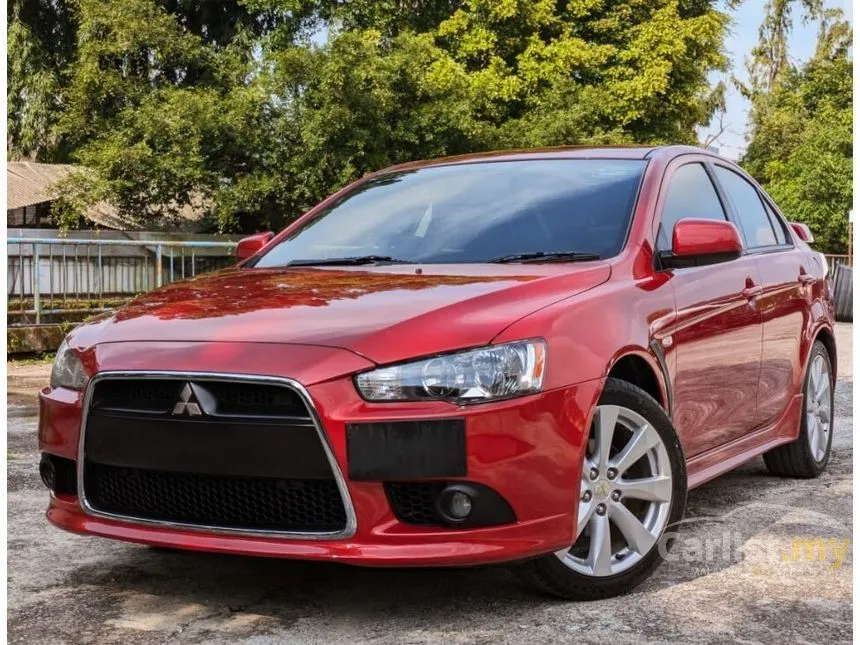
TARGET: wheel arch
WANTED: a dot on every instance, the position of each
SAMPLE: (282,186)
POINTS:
(643,370)
(828,339)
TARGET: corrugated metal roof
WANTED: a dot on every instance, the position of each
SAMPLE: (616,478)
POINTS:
(29,183)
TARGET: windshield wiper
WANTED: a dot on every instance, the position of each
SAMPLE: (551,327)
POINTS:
(356,260)
(546,256)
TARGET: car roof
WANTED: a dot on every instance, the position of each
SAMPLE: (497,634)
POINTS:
(564,152)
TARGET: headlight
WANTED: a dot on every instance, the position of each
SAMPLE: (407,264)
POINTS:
(495,372)
(68,370)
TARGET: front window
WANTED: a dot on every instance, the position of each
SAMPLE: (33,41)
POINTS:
(475,212)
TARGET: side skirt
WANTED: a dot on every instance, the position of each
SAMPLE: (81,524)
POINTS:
(722,459)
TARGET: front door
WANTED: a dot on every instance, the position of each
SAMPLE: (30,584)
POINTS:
(717,336)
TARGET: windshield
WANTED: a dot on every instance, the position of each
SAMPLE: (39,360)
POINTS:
(475,212)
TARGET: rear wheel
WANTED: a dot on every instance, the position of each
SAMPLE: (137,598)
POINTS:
(633,487)
(807,456)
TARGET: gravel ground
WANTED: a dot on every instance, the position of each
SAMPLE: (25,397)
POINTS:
(741,571)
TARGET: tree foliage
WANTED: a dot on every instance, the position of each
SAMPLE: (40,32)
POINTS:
(260,108)
(800,139)
(41,38)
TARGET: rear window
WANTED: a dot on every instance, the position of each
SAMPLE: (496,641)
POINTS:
(474,213)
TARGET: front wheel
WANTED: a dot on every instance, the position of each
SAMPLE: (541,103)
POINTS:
(633,487)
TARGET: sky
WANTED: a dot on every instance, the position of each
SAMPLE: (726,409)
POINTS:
(742,38)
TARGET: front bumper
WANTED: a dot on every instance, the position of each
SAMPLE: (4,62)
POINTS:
(528,450)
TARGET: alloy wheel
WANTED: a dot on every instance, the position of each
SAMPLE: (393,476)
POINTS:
(625,494)
(818,407)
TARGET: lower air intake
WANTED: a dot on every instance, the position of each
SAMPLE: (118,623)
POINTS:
(246,503)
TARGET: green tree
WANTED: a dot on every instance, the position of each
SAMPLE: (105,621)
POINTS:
(41,38)
(160,114)
(770,56)
(800,138)
(578,72)
(485,74)
(237,104)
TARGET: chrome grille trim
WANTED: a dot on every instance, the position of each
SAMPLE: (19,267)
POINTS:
(350,526)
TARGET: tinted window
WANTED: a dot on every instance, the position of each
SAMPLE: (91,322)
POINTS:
(778,228)
(475,212)
(755,225)
(690,194)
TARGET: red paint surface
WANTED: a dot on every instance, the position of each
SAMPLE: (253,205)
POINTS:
(705,237)
(735,337)
(249,246)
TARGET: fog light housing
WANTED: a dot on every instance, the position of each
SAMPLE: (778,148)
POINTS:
(459,505)
(455,504)
(431,503)
(47,472)
(58,474)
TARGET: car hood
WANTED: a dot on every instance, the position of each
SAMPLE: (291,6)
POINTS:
(385,313)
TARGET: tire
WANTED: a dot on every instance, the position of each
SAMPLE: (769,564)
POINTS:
(568,575)
(797,459)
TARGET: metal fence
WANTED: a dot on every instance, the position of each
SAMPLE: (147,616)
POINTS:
(834,261)
(52,279)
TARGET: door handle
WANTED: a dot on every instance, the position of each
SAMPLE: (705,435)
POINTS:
(752,291)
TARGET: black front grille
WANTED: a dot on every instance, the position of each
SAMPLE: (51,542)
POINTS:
(255,399)
(248,503)
(219,398)
(249,457)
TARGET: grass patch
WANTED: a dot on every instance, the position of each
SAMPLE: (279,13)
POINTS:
(32,359)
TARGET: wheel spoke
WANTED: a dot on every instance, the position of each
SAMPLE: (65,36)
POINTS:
(604,429)
(822,439)
(652,489)
(600,549)
(643,440)
(638,538)
(821,388)
(814,430)
(586,510)
(815,373)
(815,439)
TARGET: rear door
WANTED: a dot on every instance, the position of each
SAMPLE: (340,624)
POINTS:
(785,279)
(717,338)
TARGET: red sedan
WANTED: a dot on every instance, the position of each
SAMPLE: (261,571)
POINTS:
(523,357)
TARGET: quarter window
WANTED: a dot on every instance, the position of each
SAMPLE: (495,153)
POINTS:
(691,194)
(778,228)
(755,224)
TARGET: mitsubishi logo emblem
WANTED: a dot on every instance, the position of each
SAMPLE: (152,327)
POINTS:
(187,403)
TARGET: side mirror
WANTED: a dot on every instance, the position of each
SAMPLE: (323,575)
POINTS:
(802,231)
(697,242)
(249,246)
